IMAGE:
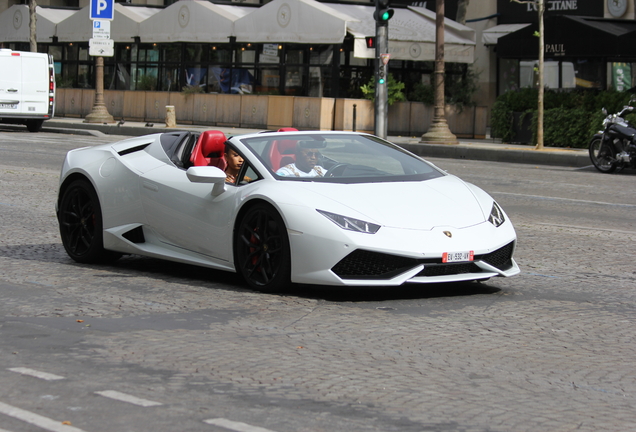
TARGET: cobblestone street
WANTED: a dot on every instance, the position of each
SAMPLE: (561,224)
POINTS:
(549,350)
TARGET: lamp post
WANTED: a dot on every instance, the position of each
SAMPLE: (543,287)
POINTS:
(439,133)
(99,113)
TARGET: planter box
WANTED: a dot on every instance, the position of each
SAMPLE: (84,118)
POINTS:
(365,119)
(155,106)
(114,101)
(254,111)
(228,110)
(69,103)
(420,119)
(183,106)
(400,118)
(311,113)
(280,112)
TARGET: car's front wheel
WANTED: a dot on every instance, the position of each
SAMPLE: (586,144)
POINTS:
(603,156)
(261,249)
(80,219)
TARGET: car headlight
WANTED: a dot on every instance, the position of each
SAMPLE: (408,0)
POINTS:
(350,223)
(496,215)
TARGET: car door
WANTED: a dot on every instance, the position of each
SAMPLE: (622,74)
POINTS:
(186,215)
(10,85)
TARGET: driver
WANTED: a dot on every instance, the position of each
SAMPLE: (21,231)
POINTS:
(306,164)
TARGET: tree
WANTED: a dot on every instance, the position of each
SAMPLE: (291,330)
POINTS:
(33,43)
(462,5)
(540,7)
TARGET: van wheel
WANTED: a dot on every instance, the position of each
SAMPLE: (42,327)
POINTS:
(34,125)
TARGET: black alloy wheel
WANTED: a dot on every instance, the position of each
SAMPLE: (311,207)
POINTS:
(261,249)
(80,219)
(603,156)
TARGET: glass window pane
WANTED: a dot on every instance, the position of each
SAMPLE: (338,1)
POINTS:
(294,80)
(71,51)
(294,56)
(171,53)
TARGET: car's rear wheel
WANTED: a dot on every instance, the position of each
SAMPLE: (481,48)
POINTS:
(261,249)
(80,219)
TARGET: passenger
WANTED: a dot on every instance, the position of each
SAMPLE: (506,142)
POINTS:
(234,164)
(306,164)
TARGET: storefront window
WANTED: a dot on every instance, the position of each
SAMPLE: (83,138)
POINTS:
(71,52)
(170,53)
(589,73)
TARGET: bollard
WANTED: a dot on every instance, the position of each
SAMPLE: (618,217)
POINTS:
(171,117)
(354,116)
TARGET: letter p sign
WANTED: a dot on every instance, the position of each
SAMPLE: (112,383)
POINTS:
(102,9)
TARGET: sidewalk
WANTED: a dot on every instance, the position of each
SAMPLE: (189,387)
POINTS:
(486,150)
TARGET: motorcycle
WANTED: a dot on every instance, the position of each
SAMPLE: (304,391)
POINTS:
(615,146)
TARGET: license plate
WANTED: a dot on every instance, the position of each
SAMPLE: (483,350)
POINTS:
(451,257)
(8,106)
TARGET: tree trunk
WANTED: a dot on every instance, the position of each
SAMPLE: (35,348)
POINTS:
(541,78)
(32,27)
(462,5)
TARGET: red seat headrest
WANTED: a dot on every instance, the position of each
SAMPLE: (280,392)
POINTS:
(213,144)
(210,145)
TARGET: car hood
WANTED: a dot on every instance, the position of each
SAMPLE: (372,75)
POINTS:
(444,201)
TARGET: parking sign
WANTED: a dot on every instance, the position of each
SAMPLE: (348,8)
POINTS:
(102,9)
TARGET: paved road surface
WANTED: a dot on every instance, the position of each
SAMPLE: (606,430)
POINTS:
(148,345)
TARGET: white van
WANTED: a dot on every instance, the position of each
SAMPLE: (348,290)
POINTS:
(27,88)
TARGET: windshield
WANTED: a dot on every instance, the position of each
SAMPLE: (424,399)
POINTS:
(348,158)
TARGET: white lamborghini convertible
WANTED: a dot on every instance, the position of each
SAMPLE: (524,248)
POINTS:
(328,208)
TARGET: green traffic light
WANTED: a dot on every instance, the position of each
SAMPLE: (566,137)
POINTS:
(381,81)
(386,15)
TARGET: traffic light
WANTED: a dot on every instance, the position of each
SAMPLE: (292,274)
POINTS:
(370,40)
(383,12)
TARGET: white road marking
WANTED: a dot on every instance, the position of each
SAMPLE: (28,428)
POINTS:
(112,394)
(564,199)
(587,228)
(36,419)
(235,426)
(36,373)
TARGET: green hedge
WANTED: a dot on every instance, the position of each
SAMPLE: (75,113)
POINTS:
(570,118)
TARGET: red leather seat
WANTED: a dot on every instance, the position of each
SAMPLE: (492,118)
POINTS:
(209,150)
(281,153)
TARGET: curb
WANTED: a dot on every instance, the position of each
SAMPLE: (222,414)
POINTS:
(561,157)
(468,150)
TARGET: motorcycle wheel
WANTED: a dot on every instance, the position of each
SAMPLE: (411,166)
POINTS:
(603,156)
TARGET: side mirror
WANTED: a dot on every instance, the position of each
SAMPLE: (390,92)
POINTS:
(208,174)
(604,111)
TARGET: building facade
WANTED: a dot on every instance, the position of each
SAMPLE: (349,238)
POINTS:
(194,46)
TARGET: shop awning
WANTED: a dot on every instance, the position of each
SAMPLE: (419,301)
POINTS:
(123,28)
(193,21)
(14,23)
(294,21)
(573,36)
(412,35)
(490,36)
(411,31)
